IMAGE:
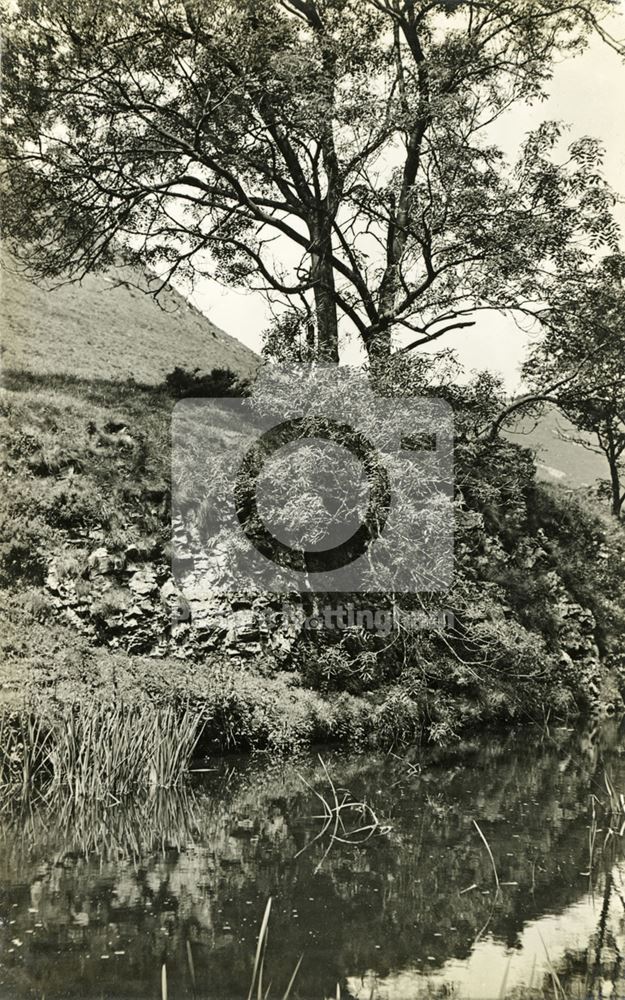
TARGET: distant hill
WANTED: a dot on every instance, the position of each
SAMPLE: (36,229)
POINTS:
(558,460)
(107,329)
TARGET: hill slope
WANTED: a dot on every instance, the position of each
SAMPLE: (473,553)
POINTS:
(558,460)
(108,329)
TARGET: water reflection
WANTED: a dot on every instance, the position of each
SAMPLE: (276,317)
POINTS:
(412,912)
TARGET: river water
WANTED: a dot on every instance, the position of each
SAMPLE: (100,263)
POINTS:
(493,870)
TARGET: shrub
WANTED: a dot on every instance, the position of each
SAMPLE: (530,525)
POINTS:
(399,720)
(74,507)
(23,556)
(218,382)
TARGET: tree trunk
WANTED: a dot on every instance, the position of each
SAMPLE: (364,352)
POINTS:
(379,346)
(322,272)
(615,481)
(613,456)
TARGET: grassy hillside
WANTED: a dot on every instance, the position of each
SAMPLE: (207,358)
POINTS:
(108,329)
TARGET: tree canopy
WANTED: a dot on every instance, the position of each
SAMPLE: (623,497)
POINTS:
(332,153)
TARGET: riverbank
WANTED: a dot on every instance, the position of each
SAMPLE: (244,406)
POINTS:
(532,630)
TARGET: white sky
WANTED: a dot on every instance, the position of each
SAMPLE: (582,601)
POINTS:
(588,93)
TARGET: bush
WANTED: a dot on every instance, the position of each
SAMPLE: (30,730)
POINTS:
(218,382)
(23,557)
(74,506)
(399,720)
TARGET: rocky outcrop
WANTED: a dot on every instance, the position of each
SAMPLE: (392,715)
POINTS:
(131,601)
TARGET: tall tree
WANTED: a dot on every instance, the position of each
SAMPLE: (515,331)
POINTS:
(327,152)
(582,358)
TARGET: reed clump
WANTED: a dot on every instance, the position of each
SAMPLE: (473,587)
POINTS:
(616,799)
(96,750)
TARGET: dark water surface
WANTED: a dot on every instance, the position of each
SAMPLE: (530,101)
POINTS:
(94,900)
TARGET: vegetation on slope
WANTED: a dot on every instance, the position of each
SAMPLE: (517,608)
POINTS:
(92,611)
(88,593)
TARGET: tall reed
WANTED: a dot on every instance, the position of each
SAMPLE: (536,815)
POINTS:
(97,750)
(23,750)
(114,749)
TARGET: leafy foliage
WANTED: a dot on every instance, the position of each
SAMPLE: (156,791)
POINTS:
(534,624)
(328,152)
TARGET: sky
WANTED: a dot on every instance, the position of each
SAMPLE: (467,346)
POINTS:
(588,93)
